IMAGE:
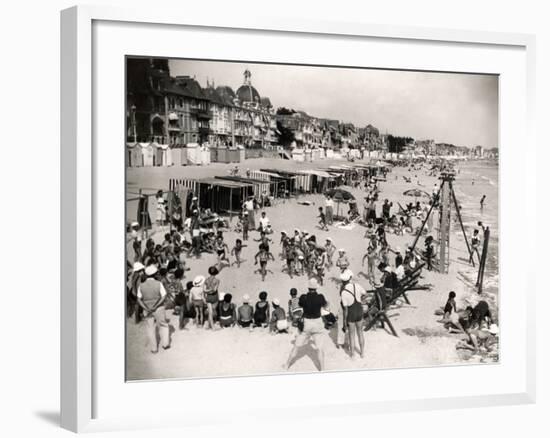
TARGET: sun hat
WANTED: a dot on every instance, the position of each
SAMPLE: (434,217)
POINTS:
(283,232)
(397,249)
(246,213)
(341,250)
(138,267)
(346,275)
(329,239)
(387,268)
(134,224)
(195,198)
(246,298)
(312,283)
(198,281)
(150,270)
(493,329)
(276,302)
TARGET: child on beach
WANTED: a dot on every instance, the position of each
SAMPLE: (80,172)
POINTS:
(263,255)
(371,262)
(295,311)
(245,225)
(261,311)
(319,264)
(291,257)
(264,240)
(245,313)
(329,248)
(322,220)
(278,323)
(342,262)
(236,251)
(221,250)
(284,242)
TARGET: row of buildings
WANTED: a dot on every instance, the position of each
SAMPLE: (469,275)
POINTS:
(179,111)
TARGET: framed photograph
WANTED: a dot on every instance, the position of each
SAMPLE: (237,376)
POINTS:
(274,209)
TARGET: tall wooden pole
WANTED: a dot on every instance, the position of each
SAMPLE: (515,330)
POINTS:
(481,272)
(444,227)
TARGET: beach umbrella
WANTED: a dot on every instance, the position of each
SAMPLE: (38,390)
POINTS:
(417,193)
(340,195)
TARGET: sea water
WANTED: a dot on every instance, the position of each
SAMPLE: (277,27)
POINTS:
(475,179)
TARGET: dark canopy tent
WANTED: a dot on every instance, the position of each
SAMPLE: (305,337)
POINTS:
(222,196)
(288,178)
(270,187)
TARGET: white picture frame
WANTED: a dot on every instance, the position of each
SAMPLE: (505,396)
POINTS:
(81,366)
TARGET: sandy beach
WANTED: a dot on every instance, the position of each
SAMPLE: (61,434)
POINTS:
(197,352)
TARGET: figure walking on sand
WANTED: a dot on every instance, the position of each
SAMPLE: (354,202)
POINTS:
(236,251)
(313,328)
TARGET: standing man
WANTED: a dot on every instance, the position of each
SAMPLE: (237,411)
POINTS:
(151,295)
(329,210)
(312,303)
(351,295)
(264,222)
(249,207)
(482,202)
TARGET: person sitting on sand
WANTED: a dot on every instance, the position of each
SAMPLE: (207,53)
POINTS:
(245,313)
(261,311)
(278,323)
(228,314)
(342,262)
(482,338)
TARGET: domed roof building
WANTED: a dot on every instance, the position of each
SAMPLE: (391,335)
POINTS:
(246,93)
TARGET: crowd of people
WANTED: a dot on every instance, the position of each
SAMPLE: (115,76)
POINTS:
(156,276)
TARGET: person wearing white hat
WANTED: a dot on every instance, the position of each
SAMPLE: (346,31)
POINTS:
(313,327)
(151,295)
(132,306)
(196,294)
(351,316)
(278,323)
(249,207)
(342,262)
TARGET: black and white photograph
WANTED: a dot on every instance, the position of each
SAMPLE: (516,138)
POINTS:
(287,218)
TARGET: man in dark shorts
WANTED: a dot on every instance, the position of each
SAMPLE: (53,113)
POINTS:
(312,303)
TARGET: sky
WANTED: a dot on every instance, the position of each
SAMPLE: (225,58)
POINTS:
(456,108)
